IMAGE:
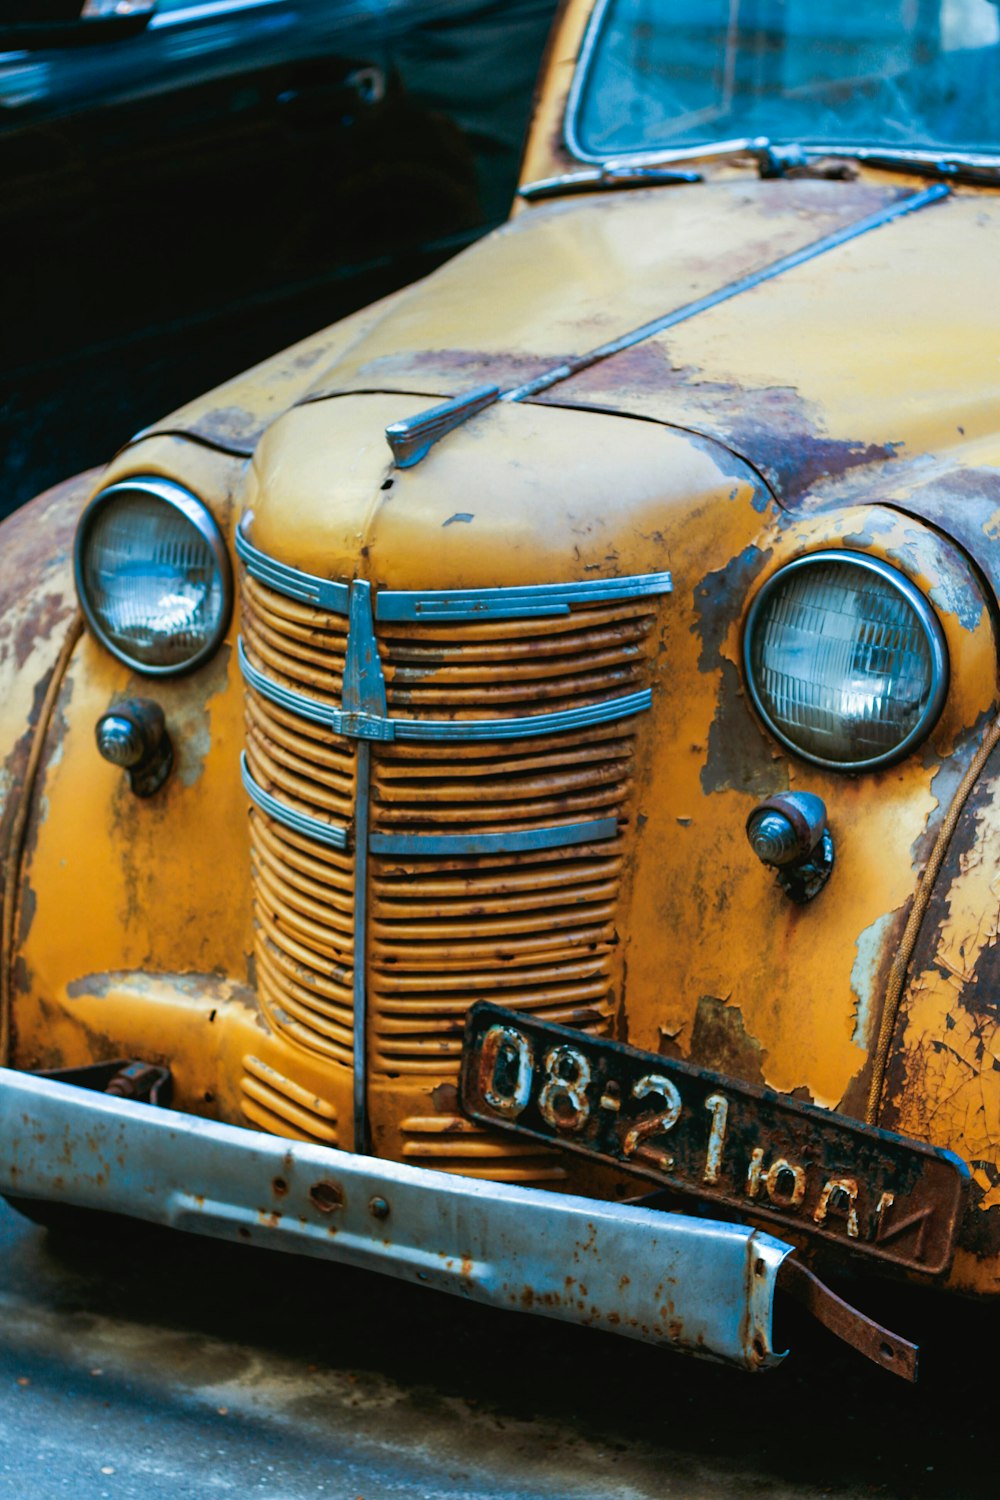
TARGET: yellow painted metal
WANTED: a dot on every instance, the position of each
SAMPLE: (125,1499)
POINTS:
(137,931)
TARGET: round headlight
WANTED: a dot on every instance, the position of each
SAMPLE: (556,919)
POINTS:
(845,660)
(153,575)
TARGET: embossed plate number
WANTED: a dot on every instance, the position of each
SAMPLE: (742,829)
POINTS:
(701,1133)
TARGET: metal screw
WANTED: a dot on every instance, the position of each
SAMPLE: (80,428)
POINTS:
(379,1208)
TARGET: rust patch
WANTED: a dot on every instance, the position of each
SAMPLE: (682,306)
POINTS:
(327,1197)
(964,504)
(740,756)
(445,1099)
(721,1042)
(39,627)
(440,372)
(772,427)
(669,1045)
(968,1045)
(719,599)
(48,612)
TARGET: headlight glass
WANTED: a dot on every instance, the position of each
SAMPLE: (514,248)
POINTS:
(845,660)
(153,575)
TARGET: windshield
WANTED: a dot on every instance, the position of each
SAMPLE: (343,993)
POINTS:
(665,74)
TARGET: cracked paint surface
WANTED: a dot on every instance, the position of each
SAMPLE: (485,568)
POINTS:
(943,1081)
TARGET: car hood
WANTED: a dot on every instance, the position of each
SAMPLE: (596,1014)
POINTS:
(881,347)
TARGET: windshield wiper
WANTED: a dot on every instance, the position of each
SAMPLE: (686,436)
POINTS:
(772,159)
(779,161)
(603,180)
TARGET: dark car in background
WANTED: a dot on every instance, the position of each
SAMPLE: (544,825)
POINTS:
(183,183)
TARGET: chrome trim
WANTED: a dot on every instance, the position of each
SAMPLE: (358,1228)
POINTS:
(424,730)
(573,366)
(363,694)
(962,166)
(292,582)
(364,704)
(486,1241)
(579,82)
(521,601)
(371,727)
(933,632)
(331,834)
(201,518)
(603,179)
(411,438)
(431,845)
(287,698)
(652,157)
(362,782)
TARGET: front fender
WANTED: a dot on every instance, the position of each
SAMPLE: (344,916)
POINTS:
(943,1074)
(39,625)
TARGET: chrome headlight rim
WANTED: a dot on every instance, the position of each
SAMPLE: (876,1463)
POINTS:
(197,513)
(933,634)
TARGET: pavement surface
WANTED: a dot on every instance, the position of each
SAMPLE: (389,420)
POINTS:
(138,1363)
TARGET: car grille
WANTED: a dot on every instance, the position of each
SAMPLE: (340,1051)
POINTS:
(281,1107)
(533,926)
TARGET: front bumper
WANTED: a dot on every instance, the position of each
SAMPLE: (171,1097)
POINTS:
(702,1287)
(696,1285)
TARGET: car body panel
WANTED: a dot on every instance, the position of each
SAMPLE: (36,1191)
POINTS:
(845,405)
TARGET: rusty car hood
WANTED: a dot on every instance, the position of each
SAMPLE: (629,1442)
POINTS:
(883,346)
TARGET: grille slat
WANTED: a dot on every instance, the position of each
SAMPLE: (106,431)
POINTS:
(281,1107)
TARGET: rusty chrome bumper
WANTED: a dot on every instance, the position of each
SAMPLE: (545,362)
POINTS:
(698,1286)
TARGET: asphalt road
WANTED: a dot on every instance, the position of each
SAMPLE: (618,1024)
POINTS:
(140,1364)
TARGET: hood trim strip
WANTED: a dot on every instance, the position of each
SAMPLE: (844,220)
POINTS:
(912,203)
(467,404)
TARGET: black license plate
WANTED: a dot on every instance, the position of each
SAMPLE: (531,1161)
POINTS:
(701,1133)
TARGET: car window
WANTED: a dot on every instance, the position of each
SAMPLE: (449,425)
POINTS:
(660,73)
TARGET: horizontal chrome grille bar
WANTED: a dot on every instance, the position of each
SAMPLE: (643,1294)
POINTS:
(374,727)
(310,828)
(426,845)
(514,603)
(520,602)
(294,584)
(518,729)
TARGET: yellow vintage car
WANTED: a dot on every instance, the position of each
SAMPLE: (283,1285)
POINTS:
(507,791)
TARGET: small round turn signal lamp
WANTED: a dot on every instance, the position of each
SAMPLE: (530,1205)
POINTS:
(133,735)
(789,834)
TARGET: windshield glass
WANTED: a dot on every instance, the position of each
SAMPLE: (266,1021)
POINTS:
(665,74)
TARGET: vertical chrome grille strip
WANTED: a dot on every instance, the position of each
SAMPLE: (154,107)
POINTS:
(364,699)
(362,1142)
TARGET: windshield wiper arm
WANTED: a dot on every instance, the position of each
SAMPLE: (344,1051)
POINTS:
(778,161)
(603,180)
(950,168)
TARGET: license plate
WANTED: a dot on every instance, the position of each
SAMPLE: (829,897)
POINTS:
(699,1133)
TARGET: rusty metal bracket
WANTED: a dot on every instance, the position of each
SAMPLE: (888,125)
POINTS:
(892,1353)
